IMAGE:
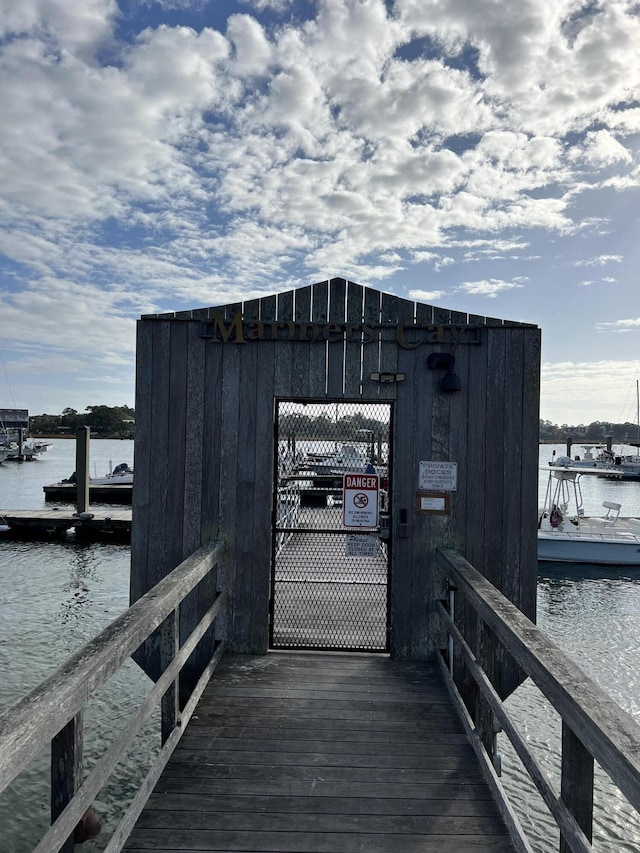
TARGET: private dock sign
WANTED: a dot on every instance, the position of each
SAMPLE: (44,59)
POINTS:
(360,500)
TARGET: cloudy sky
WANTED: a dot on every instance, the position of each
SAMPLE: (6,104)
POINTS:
(480,155)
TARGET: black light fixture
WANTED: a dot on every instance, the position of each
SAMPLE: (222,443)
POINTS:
(445,361)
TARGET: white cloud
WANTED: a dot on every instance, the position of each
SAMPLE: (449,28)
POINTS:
(603,149)
(426,295)
(631,325)
(490,288)
(599,261)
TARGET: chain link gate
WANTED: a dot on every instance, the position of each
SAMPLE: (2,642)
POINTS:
(329,586)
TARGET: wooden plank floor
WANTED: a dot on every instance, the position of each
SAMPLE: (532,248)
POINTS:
(333,753)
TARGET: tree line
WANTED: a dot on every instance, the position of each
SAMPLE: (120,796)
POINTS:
(594,433)
(105,421)
(119,422)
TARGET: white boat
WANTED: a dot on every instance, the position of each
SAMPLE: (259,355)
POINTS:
(344,459)
(608,464)
(121,475)
(567,535)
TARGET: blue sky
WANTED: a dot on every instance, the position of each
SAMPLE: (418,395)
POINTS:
(473,154)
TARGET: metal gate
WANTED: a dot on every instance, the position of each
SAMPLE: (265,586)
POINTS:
(329,586)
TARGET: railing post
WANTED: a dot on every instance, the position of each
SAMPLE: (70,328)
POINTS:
(486,656)
(576,784)
(169,644)
(452,606)
(66,770)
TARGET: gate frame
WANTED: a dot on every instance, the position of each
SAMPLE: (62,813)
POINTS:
(389,405)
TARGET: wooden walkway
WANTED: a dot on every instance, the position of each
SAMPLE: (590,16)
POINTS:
(331,753)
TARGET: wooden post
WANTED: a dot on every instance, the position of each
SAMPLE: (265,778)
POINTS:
(486,655)
(169,642)
(82,468)
(576,785)
(66,770)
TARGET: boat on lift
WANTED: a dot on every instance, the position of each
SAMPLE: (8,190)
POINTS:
(566,534)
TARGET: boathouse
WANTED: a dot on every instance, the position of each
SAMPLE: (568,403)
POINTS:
(458,396)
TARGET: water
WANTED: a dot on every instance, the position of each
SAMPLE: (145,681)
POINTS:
(56,596)
(591,613)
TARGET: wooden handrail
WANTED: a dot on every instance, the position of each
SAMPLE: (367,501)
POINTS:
(58,702)
(592,722)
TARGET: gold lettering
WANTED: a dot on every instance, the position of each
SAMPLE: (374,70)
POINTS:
(274,326)
(435,334)
(332,332)
(255,330)
(369,333)
(351,329)
(309,327)
(402,341)
(457,333)
(235,327)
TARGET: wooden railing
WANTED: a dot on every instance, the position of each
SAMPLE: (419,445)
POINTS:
(593,725)
(53,711)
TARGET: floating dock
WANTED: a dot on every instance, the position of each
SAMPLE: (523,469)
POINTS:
(114,524)
(116,494)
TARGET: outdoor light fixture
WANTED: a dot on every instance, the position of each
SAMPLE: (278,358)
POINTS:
(445,361)
(387,377)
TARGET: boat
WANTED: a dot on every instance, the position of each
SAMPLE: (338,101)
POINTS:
(567,535)
(4,453)
(116,486)
(610,465)
(29,450)
(346,458)
(602,458)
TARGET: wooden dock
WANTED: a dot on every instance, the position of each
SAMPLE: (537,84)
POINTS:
(57,523)
(120,494)
(331,753)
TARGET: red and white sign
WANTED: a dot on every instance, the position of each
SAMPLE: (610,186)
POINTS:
(360,500)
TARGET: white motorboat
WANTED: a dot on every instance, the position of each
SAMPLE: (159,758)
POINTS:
(121,475)
(345,458)
(567,535)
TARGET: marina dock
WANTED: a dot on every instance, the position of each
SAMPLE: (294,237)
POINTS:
(57,523)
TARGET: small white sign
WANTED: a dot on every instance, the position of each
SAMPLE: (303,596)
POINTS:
(432,504)
(360,501)
(362,546)
(438,476)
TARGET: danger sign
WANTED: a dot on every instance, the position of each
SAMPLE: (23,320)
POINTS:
(360,500)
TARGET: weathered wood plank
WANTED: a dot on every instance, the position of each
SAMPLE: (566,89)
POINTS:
(318,350)
(300,367)
(335,348)
(353,348)
(341,791)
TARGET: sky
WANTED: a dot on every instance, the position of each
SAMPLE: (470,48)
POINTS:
(478,155)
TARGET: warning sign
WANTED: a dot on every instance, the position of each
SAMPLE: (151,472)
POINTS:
(438,476)
(360,500)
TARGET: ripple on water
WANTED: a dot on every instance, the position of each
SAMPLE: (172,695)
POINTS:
(54,598)
(593,615)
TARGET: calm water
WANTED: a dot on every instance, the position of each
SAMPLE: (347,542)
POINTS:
(53,599)
(56,596)
(594,615)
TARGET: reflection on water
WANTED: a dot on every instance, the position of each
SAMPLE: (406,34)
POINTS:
(592,614)
(54,598)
